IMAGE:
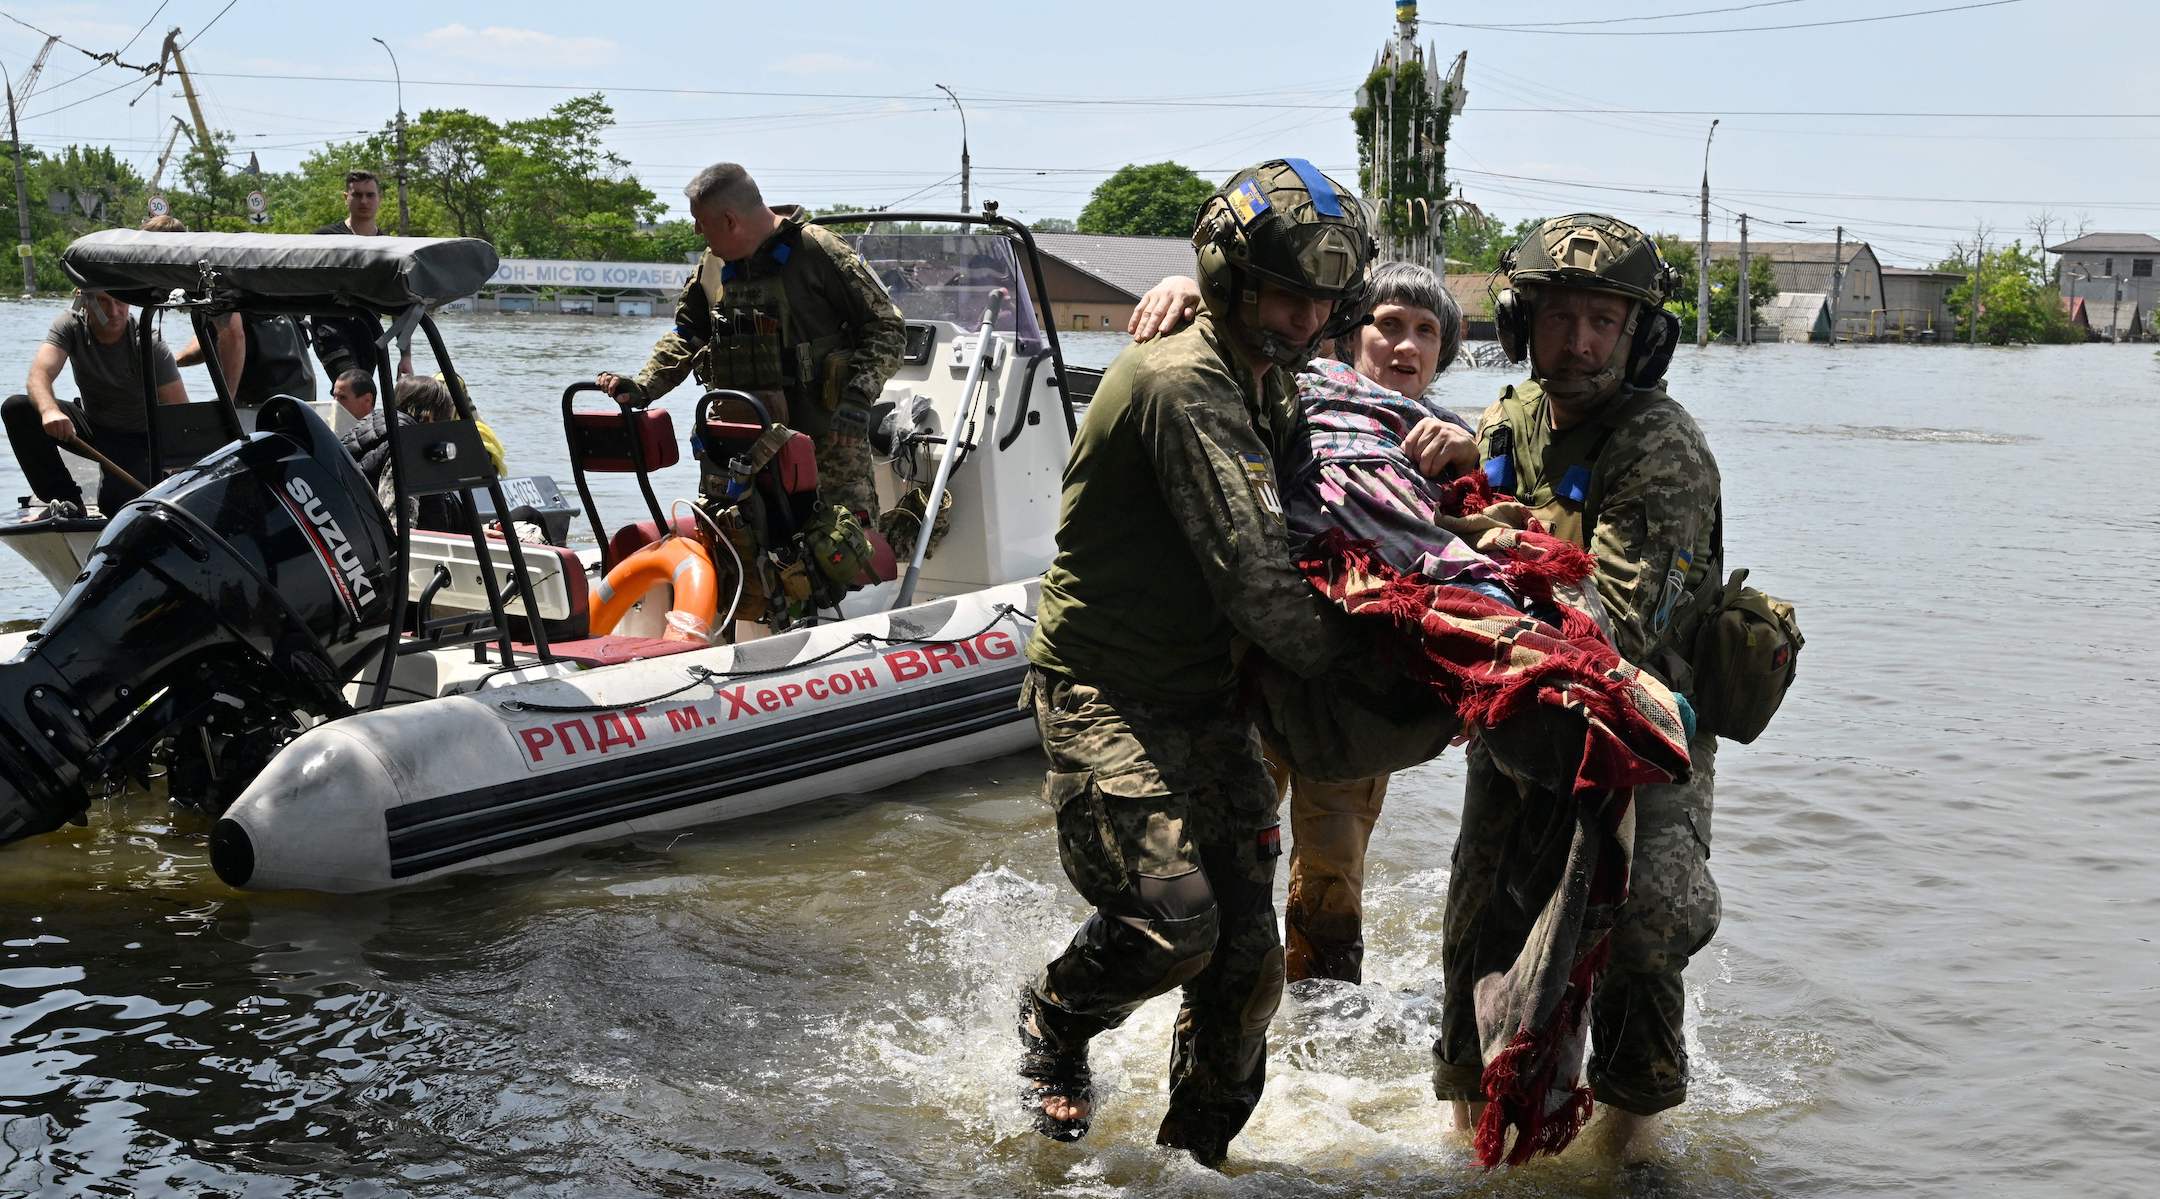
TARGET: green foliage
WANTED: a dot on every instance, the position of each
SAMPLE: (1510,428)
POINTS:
(1416,141)
(538,188)
(93,173)
(1054,224)
(1480,240)
(2019,302)
(1160,199)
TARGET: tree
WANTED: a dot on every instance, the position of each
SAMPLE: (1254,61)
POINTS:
(79,190)
(2018,303)
(1160,199)
(1054,224)
(1479,240)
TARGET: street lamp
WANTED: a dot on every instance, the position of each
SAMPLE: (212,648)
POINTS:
(963,145)
(404,216)
(1702,250)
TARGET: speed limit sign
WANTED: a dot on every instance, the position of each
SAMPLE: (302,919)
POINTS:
(158,206)
(256,202)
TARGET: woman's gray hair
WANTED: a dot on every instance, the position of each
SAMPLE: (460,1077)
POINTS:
(1414,286)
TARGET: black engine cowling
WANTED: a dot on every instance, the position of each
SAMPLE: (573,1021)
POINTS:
(257,579)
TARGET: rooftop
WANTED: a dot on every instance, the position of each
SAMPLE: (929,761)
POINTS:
(1816,252)
(2110,243)
(1916,272)
(1130,264)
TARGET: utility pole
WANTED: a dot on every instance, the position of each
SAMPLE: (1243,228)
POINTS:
(1744,301)
(963,145)
(404,215)
(2114,314)
(1837,280)
(1979,258)
(22,190)
(1702,251)
(22,201)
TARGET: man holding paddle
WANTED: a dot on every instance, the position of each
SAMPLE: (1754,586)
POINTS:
(95,340)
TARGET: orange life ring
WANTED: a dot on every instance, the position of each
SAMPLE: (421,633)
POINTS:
(674,560)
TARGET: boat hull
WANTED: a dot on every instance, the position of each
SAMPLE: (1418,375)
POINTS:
(411,793)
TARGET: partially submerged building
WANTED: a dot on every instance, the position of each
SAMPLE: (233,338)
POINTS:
(1850,278)
(1916,304)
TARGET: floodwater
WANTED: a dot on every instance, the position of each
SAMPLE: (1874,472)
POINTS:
(1936,974)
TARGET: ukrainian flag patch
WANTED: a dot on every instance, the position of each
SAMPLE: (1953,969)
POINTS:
(1248,201)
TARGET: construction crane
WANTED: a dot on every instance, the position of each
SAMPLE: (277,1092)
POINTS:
(187,88)
(157,200)
(22,190)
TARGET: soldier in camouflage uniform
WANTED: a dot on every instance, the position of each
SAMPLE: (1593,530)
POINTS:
(1594,445)
(1172,554)
(787,311)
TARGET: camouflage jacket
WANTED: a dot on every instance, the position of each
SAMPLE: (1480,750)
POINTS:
(1650,492)
(1171,540)
(831,294)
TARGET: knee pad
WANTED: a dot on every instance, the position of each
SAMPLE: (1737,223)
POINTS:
(1177,917)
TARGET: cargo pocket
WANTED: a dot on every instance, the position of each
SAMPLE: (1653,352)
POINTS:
(1087,841)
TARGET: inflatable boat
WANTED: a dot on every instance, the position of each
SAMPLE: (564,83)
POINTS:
(363,705)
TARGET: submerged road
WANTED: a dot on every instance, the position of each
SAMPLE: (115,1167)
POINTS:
(1936,976)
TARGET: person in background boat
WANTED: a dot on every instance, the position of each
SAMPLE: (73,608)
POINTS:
(1415,331)
(1600,453)
(355,393)
(421,400)
(784,310)
(260,355)
(345,343)
(95,341)
(1172,554)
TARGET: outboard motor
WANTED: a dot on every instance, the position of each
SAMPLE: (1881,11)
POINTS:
(221,606)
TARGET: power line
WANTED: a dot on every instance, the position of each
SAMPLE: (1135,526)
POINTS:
(213,21)
(1669,16)
(1895,16)
(139,28)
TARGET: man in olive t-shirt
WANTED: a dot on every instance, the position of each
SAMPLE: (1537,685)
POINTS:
(96,340)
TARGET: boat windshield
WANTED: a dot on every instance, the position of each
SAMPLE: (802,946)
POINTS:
(949,277)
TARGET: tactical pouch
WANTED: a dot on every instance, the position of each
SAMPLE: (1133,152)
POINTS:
(1746,655)
(835,541)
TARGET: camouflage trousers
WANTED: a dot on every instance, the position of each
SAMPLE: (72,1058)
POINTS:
(847,475)
(1331,826)
(1166,824)
(1638,1055)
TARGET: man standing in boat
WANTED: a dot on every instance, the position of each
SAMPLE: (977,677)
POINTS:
(782,309)
(345,343)
(1172,555)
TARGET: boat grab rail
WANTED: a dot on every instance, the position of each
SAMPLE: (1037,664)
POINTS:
(706,675)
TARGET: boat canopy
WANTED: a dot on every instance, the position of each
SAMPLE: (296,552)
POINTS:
(381,274)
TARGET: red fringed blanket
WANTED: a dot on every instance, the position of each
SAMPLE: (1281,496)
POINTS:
(1557,707)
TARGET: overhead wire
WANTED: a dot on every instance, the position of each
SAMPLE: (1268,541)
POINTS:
(1552,32)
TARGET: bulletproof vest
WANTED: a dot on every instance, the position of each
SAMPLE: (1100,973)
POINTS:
(1550,471)
(761,340)
(277,361)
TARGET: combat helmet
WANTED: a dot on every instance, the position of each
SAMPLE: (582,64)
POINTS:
(1592,252)
(1283,222)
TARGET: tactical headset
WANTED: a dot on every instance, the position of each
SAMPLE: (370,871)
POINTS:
(1652,341)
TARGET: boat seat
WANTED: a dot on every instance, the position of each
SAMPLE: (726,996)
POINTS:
(637,535)
(611,650)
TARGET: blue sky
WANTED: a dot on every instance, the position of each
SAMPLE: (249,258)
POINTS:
(845,111)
